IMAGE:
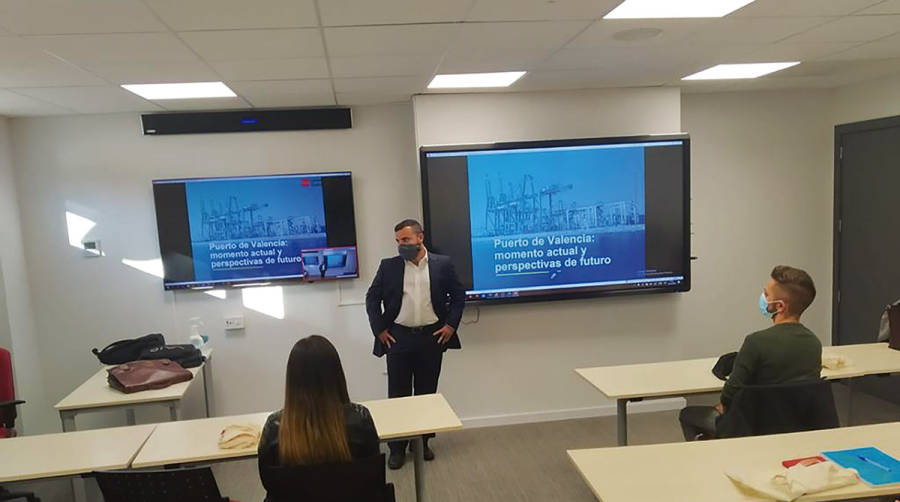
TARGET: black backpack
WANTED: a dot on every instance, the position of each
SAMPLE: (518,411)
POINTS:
(186,355)
(125,351)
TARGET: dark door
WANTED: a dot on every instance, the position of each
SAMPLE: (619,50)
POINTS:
(867,245)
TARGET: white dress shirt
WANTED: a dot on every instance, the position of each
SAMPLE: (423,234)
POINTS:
(416,309)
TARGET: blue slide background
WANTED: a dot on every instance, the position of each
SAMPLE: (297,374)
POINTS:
(286,197)
(596,176)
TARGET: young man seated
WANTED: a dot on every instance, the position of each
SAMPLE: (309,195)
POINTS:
(785,352)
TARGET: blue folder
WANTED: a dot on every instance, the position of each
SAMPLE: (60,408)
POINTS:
(874,466)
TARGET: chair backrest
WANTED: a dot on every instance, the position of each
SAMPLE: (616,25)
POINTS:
(172,485)
(362,479)
(7,393)
(776,409)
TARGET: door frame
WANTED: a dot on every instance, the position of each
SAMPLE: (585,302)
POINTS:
(840,131)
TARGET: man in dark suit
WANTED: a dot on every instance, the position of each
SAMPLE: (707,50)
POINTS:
(414,304)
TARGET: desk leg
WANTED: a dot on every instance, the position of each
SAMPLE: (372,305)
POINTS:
(173,412)
(419,467)
(79,492)
(207,390)
(68,420)
(129,416)
(851,392)
(622,421)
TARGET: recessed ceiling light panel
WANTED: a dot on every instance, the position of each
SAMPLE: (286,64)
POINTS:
(664,9)
(188,90)
(475,80)
(735,71)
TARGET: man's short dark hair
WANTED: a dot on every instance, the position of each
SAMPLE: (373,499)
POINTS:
(413,224)
(797,286)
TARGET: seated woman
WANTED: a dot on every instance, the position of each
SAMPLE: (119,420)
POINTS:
(318,424)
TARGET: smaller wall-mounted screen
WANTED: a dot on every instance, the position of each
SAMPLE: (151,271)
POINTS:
(217,232)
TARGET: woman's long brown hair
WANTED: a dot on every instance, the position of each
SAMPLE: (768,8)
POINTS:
(312,423)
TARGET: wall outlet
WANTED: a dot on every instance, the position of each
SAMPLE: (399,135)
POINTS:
(233,323)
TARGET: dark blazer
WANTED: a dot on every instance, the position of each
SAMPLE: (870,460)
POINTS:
(385,296)
(361,437)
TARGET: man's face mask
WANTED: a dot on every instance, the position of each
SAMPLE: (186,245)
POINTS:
(409,251)
(764,306)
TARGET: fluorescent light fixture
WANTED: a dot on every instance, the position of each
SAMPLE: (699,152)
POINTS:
(475,80)
(666,9)
(189,90)
(734,71)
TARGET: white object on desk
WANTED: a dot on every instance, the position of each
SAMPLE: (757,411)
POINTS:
(693,471)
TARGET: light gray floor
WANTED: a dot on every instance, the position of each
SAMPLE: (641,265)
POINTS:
(509,463)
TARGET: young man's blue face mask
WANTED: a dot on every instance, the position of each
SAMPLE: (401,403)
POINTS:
(764,306)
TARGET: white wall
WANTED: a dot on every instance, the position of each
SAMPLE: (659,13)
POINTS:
(101,167)
(20,318)
(868,100)
(761,196)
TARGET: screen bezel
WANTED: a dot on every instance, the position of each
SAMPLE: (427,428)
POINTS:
(551,295)
(242,283)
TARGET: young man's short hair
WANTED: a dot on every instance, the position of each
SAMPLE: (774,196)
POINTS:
(413,224)
(797,286)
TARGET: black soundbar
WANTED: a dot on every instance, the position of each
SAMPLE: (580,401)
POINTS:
(296,119)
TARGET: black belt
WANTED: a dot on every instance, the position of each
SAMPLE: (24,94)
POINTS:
(418,329)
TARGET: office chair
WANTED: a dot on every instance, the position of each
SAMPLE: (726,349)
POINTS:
(360,480)
(776,409)
(170,485)
(8,403)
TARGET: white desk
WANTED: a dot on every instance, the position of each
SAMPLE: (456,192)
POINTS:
(694,471)
(71,453)
(194,441)
(96,395)
(634,382)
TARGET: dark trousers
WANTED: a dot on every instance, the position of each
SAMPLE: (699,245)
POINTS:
(698,422)
(414,366)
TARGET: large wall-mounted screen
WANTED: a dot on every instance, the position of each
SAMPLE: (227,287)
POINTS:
(561,219)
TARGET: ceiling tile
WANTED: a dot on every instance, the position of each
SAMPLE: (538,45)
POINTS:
(38,17)
(608,32)
(211,104)
(782,8)
(106,99)
(664,56)
(787,51)
(382,66)
(127,72)
(413,39)
(851,29)
(124,48)
(371,98)
(494,60)
(540,10)
(272,69)
(476,37)
(381,85)
(285,92)
(883,49)
(16,105)
(886,7)
(183,15)
(42,71)
(363,12)
(755,30)
(255,44)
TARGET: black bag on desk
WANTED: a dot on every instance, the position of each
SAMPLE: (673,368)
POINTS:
(724,365)
(125,351)
(186,355)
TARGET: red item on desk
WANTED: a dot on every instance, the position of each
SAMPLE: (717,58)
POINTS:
(804,461)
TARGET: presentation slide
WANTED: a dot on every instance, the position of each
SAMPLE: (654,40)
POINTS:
(254,227)
(556,218)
